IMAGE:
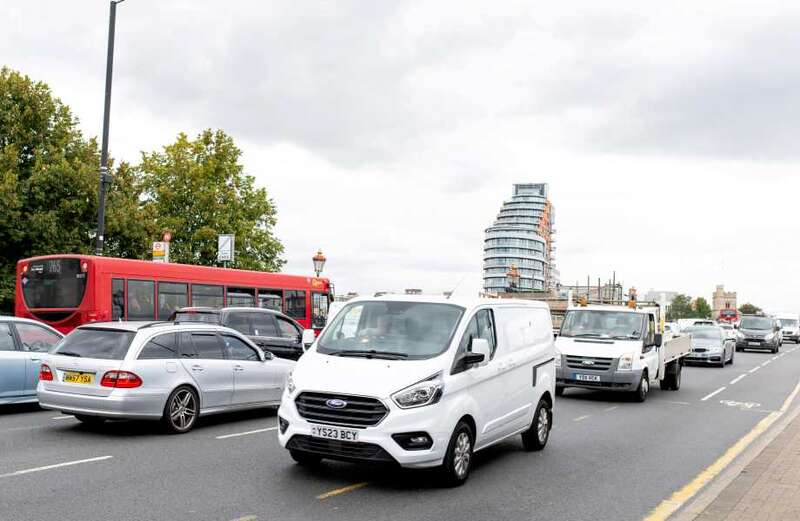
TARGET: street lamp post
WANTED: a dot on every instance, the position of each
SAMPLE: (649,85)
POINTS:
(105,177)
(512,276)
(319,262)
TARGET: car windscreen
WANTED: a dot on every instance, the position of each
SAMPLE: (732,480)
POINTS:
(756,323)
(197,316)
(705,334)
(603,324)
(788,322)
(392,330)
(106,344)
(53,283)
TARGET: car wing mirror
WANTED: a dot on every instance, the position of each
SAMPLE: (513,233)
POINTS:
(308,338)
(266,355)
(658,340)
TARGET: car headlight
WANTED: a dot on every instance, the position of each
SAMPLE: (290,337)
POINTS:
(290,383)
(425,392)
(740,335)
(769,337)
(625,362)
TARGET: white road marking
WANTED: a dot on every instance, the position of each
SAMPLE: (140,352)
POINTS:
(581,418)
(737,378)
(56,466)
(679,403)
(226,436)
(753,370)
(741,405)
(62,418)
(706,397)
(766,363)
(611,408)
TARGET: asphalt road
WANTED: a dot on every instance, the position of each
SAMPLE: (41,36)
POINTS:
(608,458)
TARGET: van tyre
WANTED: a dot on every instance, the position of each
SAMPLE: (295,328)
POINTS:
(305,459)
(458,459)
(181,410)
(642,391)
(90,420)
(535,438)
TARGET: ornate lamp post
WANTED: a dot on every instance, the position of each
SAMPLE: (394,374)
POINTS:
(512,277)
(319,262)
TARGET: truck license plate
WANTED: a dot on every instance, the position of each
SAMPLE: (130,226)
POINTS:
(586,377)
(334,433)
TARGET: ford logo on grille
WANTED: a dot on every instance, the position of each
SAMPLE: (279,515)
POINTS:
(588,362)
(336,403)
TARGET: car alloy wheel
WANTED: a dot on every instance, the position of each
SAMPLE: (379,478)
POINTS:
(462,454)
(535,438)
(458,458)
(182,410)
(543,425)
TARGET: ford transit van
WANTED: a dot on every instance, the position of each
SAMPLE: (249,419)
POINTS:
(422,382)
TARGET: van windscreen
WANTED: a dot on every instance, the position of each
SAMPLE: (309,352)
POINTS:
(105,344)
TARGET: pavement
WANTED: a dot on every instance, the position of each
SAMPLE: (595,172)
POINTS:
(608,458)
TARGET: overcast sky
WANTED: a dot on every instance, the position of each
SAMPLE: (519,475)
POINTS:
(389,133)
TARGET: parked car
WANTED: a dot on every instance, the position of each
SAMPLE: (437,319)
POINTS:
(269,329)
(23,342)
(158,371)
(758,332)
(710,345)
(422,382)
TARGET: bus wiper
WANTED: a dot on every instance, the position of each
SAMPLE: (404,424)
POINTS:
(371,353)
(68,353)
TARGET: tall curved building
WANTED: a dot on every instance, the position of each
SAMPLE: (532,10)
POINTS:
(522,236)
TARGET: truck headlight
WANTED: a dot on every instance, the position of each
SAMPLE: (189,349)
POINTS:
(558,360)
(289,383)
(625,362)
(425,392)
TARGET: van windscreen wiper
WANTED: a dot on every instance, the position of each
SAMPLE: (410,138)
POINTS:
(370,353)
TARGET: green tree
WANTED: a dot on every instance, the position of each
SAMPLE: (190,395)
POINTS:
(701,308)
(749,309)
(197,189)
(681,307)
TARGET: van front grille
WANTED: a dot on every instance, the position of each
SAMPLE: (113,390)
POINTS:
(356,411)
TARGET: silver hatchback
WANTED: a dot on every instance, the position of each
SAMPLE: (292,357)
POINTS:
(160,371)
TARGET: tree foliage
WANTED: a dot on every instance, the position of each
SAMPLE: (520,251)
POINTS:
(683,307)
(701,308)
(749,309)
(48,192)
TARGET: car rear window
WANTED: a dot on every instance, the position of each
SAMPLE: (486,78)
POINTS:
(106,344)
(197,316)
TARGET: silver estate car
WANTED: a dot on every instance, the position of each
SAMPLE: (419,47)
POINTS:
(160,371)
(23,343)
(710,345)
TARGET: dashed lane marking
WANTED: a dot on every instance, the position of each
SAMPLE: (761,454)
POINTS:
(62,418)
(55,466)
(581,418)
(678,403)
(682,496)
(737,379)
(766,363)
(343,490)
(245,518)
(611,408)
(706,397)
(246,433)
(753,370)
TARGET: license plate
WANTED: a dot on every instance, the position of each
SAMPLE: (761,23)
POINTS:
(72,377)
(587,377)
(334,433)
(754,343)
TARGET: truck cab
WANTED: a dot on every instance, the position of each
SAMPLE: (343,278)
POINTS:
(617,348)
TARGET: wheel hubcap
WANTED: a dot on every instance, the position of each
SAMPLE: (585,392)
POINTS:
(461,455)
(183,409)
(543,425)
(645,386)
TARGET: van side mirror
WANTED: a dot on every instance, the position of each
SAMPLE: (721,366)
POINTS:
(480,352)
(658,340)
(308,338)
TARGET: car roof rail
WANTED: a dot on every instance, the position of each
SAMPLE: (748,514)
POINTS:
(157,323)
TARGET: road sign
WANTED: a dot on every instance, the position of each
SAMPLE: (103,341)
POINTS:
(225,248)
(160,251)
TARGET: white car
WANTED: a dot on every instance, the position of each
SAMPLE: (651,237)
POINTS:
(422,382)
(159,371)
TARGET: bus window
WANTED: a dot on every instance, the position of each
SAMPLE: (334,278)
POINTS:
(205,295)
(296,304)
(270,299)
(140,300)
(319,310)
(171,296)
(243,297)
(117,299)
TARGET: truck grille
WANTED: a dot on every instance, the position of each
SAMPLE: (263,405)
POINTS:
(359,411)
(589,363)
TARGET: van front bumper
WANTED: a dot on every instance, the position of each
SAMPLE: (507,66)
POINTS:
(374,444)
(611,380)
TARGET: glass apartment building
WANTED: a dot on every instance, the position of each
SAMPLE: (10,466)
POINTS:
(522,236)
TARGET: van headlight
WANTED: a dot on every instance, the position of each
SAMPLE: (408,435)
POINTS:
(290,383)
(740,335)
(625,362)
(769,337)
(425,392)
(558,360)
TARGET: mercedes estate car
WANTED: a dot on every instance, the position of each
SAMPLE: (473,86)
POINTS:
(158,371)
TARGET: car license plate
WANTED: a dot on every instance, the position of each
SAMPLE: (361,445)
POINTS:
(73,377)
(586,377)
(754,343)
(334,433)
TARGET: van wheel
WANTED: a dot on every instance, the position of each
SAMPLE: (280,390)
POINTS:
(641,392)
(458,459)
(90,420)
(181,410)
(559,391)
(535,438)
(305,459)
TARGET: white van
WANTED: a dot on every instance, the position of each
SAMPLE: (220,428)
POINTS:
(422,382)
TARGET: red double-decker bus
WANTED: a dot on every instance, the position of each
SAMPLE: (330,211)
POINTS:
(66,291)
(729,315)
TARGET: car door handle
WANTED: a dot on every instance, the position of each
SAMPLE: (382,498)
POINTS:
(36,359)
(238,368)
(198,368)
